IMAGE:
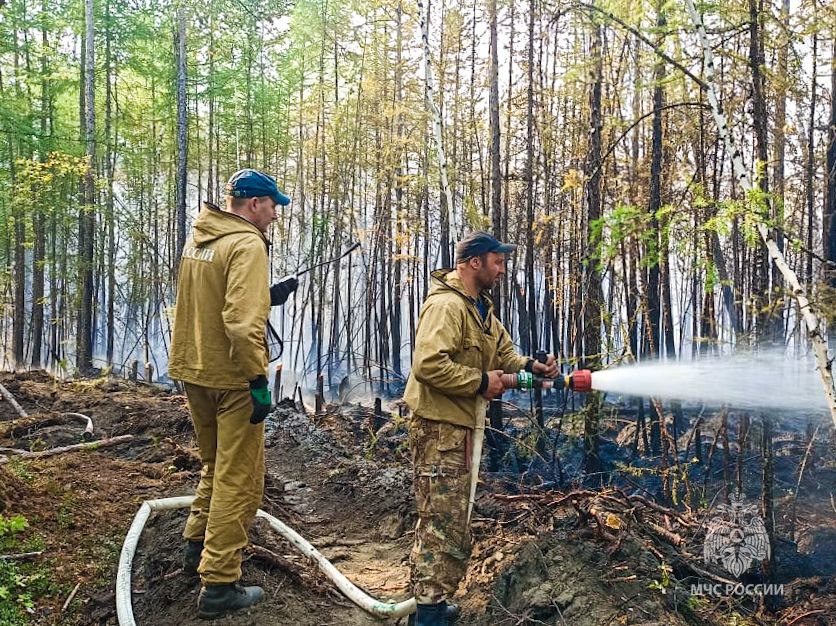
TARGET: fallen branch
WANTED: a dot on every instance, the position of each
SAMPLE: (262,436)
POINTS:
(92,445)
(667,535)
(549,497)
(705,573)
(6,450)
(298,571)
(11,400)
(803,615)
(21,556)
(71,596)
(660,509)
(270,557)
(620,579)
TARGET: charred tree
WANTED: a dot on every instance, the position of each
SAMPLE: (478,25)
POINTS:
(87,214)
(766,325)
(496,172)
(530,287)
(593,293)
(182,137)
(109,212)
(767,498)
(399,206)
(811,169)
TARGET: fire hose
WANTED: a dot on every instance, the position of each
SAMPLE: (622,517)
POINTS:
(124,610)
(577,381)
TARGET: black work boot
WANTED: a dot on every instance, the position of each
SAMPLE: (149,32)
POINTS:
(433,615)
(218,600)
(191,557)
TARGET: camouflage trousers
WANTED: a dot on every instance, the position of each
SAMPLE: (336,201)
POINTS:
(442,488)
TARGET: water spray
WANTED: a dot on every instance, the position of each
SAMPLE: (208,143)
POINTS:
(767,380)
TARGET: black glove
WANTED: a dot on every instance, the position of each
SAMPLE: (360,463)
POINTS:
(260,395)
(282,290)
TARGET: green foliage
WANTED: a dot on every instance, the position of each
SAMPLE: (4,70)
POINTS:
(748,214)
(19,468)
(66,512)
(15,599)
(696,603)
(663,583)
(626,222)
(9,527)
(20,584)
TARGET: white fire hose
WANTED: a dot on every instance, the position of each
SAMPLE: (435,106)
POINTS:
(476,457)
(124,610)
(375,607)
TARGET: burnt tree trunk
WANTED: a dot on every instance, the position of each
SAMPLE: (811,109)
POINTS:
(495,439)
(811,171)
(87,214)
(767,498)
(593,301)
(182,138)
(765,324)
(530,286)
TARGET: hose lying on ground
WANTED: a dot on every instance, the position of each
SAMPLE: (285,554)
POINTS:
(124,610)
(87,435)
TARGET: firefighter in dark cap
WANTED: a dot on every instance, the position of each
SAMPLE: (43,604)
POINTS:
(461,351)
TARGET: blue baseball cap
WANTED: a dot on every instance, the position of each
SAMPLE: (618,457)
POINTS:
(478,243)
(249,183)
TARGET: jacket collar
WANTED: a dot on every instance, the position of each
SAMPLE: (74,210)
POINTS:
(239,221)
(447,279)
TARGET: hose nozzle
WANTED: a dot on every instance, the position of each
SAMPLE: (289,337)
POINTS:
(579,380)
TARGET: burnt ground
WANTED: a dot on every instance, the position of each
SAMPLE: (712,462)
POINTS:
(575,556)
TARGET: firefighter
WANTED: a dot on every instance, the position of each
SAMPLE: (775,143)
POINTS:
(218,350)
(461,351)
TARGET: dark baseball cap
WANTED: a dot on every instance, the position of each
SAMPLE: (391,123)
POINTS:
(478,243)
(249,183)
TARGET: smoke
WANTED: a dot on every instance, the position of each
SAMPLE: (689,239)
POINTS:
(762,381)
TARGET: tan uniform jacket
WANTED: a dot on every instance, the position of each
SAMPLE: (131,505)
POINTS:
(223,301)
(453,347)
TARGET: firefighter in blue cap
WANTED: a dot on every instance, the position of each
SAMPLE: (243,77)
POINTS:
(218,350)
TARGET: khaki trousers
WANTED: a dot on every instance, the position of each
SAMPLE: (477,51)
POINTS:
(231,479)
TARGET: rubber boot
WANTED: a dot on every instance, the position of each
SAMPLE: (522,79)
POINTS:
(431,615)
(218,600)
(191,557)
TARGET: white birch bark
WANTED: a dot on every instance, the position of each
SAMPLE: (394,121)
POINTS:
(437,122)
(813,322)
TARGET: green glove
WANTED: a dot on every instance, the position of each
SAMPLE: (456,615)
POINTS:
(260,395)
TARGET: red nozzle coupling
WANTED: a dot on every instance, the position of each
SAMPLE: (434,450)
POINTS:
(581,380)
